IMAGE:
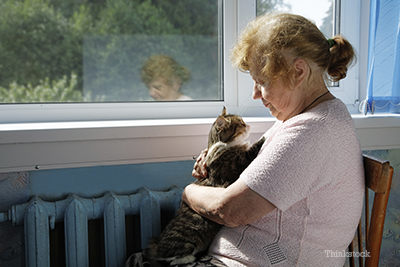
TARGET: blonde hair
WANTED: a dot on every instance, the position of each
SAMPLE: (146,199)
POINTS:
(267,41)
(163,66)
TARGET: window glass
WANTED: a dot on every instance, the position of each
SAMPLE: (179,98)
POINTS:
(109,51)
(321,12)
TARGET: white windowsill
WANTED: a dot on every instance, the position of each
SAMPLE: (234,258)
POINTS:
(27,146)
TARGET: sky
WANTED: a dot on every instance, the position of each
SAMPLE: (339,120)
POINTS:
(311,9)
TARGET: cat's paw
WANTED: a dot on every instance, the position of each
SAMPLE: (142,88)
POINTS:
(184,260)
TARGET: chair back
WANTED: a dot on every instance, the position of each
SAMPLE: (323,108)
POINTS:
(378,178)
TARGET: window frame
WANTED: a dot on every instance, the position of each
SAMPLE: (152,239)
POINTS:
(237,86)
(233,12)
(349,26)
(66,139)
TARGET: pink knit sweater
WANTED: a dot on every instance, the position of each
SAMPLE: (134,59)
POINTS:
(310,168)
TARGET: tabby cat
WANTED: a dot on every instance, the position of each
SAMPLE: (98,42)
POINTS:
(188,233)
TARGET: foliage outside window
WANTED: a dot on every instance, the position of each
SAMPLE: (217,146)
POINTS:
(95,48)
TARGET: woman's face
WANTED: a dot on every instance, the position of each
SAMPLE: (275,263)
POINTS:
(277,97)
(161,90)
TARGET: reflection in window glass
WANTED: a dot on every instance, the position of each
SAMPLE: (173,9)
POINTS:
(95,51)
(318,11)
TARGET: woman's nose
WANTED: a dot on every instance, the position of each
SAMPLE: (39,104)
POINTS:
(256,91)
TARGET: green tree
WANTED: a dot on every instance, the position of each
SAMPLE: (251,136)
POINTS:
(69,7)
(36,43)
(51,39)
(191,17)
(127,32)
(46,91)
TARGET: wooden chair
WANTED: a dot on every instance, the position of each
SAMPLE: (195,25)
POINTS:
(378,178)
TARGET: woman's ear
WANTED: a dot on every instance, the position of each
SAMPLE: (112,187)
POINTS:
(301,70)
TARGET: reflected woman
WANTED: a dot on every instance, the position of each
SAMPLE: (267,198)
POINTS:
(164,78)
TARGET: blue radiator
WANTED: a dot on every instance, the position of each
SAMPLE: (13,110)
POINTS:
(39,217)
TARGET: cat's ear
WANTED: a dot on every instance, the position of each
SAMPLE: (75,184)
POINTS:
(221,121)
(223,112)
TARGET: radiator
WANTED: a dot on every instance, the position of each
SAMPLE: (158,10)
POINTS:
(39,216)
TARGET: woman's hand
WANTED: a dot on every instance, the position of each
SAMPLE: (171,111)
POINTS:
(199,168)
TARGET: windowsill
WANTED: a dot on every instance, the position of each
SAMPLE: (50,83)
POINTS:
(27,146)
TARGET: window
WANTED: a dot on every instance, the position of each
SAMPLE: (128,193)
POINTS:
(90,138)
(78,62)
(109,51)
(322,14)
(322,11)
(332,17)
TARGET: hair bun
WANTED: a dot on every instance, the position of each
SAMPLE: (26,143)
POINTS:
(342,56)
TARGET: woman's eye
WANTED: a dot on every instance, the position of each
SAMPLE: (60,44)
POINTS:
(260,85)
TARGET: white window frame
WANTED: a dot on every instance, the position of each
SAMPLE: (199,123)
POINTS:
(235,13)
(348,89)
(237,85)
(49,136)
(349,26)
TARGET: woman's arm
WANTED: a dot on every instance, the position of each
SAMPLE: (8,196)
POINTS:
(232,206)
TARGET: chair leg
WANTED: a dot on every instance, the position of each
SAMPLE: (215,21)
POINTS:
(375,238)
(351,259)
(360,244)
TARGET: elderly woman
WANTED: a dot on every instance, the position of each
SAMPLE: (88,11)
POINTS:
(302,197)
(299,202)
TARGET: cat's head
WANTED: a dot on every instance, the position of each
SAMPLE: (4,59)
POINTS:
(228,128)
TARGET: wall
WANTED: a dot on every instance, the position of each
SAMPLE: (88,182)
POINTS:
(56,184)
(94,181)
